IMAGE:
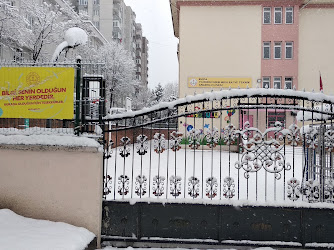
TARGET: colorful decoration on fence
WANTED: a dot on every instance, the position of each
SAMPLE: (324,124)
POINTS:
(204,114)
(229,114)
(190,127)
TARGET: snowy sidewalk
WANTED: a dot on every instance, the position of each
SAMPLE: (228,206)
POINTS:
(21,233)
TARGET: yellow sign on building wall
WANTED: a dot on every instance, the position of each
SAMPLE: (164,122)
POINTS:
(36,92)
(212,82)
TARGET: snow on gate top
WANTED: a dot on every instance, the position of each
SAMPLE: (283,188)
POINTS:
(226,94)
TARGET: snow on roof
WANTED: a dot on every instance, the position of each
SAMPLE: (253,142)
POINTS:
(223,94)
(18,232)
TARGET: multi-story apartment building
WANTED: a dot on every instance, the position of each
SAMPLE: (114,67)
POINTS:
(144,62)
(129,40)
(138,40)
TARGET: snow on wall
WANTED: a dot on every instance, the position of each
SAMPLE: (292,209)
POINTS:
(48,137)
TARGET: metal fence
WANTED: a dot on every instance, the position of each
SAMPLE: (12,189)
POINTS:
(229,146)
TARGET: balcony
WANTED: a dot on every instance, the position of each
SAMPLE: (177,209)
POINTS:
(117,25)
(116,35)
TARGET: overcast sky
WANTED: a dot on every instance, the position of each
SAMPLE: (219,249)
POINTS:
(155,17)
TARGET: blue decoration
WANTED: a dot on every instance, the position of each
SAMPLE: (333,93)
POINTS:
(190,127)
(207,126)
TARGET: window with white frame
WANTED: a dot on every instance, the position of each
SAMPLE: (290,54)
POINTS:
(278,15)
(96,24)
(83,2)
(266,50)
(266,15)
(266,82)
(288,50)
(278,50)
(96,2)
(277,82)
(289,15)
(288,83)
(116,24)
(96,12)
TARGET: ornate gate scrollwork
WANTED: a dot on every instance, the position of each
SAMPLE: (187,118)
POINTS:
(228,190)
(261,151)
(158,185)
(175,185)
(211,187)
(141,185)
(294,189)
(193,187)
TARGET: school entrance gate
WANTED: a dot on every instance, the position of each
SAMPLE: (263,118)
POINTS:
(197,171)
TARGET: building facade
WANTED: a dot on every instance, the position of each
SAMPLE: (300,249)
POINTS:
(277,44)
(269,44)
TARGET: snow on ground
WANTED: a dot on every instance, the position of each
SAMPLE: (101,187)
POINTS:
(226,248)
(21,233)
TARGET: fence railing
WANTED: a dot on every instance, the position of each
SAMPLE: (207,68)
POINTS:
(254,144)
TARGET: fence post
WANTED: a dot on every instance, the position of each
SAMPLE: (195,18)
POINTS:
(77,97)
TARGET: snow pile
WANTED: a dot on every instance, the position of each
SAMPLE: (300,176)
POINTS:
(130,248)
(49,140)
(18,232)
(73,37)
(37,131)
(49,137)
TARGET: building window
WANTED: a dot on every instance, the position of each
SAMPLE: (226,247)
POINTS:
(83,2)
(277,82)
(267,15)
(266,82)
(288,83)
(276,116)
(116,24)
(96,24)
(18,55)
(96,12)
(289,15)
(96,2)
(266,50)
(278,50)
(288,50)
(278,15)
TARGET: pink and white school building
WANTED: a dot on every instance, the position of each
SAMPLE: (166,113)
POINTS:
(263,43)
